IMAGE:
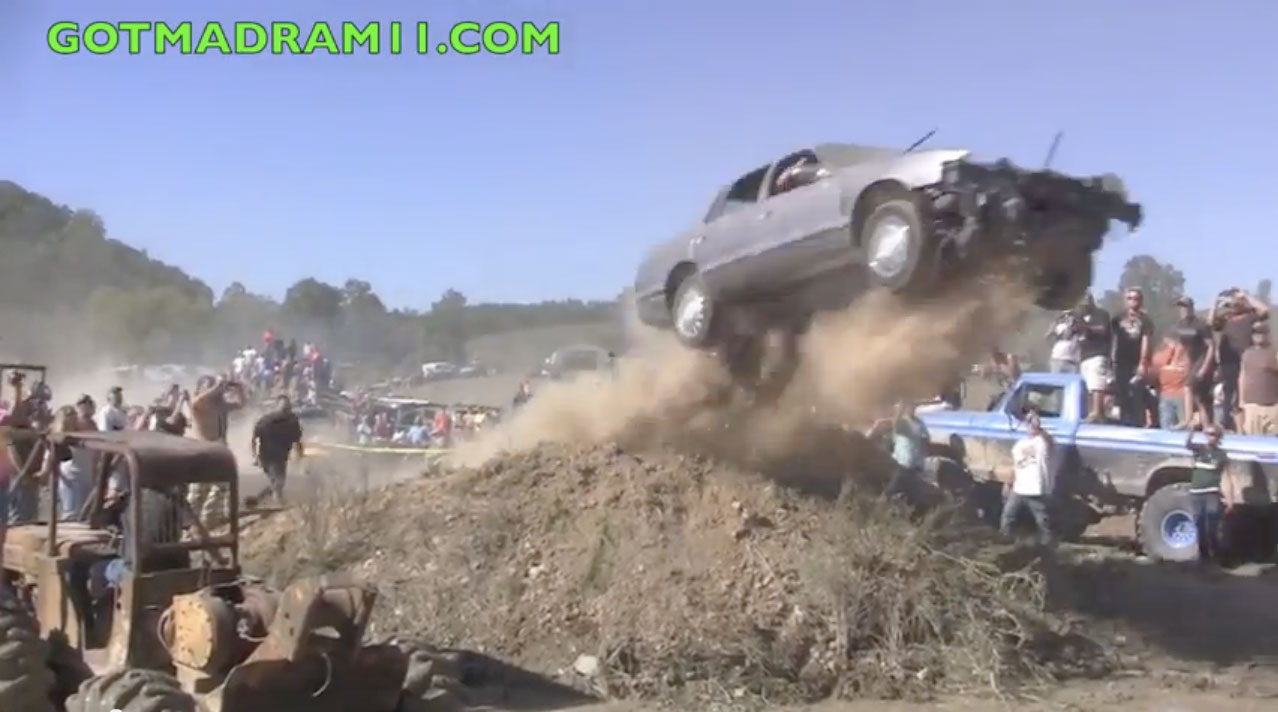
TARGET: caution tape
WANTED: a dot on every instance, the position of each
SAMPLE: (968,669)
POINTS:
(320,447)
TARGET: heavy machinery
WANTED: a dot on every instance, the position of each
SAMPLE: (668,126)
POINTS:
(134,605)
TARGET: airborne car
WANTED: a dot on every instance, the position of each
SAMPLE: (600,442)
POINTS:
(822,225)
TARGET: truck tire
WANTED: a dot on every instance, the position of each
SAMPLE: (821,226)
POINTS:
(132,690)
(898,247)
(1165,525)
(1062,286)
(692,312)
(26,681)
(433,682)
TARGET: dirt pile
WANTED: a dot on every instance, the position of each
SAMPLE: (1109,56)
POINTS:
(679,575)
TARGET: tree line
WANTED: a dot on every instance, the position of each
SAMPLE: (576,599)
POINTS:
(59,272)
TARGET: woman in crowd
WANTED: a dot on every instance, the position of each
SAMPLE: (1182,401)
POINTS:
(73,465)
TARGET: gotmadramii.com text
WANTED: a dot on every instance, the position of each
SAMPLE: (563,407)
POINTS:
(391,37)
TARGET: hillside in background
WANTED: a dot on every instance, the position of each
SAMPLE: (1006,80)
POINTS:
(69,293)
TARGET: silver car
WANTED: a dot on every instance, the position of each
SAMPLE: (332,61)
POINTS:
(820,226)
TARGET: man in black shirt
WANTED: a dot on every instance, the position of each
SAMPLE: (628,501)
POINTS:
(1195,336)
(1132,331)
(1094,353)
(1234,315)
(274,435)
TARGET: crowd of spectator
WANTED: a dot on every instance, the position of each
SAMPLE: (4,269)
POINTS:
(1219,369)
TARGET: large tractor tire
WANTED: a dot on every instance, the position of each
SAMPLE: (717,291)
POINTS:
(26,681)
(1165,525)
(132,691)
(433,682)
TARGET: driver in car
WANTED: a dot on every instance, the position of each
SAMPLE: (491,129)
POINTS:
(804,171)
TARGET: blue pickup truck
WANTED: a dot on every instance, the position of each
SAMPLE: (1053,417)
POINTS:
(1116,469)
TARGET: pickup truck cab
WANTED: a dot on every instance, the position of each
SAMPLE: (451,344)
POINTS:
(1114,467)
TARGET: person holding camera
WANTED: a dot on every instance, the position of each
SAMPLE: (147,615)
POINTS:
(1234,317)
(1063,335)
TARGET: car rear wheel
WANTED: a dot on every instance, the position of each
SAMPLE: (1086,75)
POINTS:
(693,313)
(896,243)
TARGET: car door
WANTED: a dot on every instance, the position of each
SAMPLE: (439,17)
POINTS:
(801,231)
(725,247)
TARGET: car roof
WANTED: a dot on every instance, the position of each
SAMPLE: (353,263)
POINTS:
(163,458)
(847,154)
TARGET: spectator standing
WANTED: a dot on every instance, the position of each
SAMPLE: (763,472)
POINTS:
(1196,338)
(1034,463)
(1063,336)
(113,415)
(1210,465)
(210,415)
(1171,367)
(1233,316)
(1132,332)
(1094,348)
(1258,384)
(909,449)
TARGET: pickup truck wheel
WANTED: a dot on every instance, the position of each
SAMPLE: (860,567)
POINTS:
(693,313)
(1063,286)
(896,243)
(1165,525)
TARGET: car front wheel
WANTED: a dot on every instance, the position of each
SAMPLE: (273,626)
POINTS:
(693,313)
(896,243)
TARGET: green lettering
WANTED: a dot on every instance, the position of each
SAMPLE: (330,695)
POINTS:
(507,31)
(285,33)
(64,37)
(423,44)
(534,37)
(369,37)
(179,36)
(242,44)
(213,35)
(394,43)
(321,35)
(133,34)
(91,42)
(455,39)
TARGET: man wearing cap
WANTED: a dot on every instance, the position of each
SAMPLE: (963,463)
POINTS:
(1233,316)
(1258,384)
(1195,335)
(1210,466)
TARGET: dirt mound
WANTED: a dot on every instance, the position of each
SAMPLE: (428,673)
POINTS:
(679,575)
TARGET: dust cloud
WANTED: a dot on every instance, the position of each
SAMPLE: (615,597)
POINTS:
(853,364)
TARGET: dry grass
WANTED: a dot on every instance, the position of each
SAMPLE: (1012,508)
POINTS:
(690,581)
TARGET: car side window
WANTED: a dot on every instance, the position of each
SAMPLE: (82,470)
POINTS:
(775,185)
(743,193)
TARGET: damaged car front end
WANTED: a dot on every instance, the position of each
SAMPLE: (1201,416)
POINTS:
(1052,221)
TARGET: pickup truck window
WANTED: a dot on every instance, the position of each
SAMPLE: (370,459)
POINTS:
(1049,401)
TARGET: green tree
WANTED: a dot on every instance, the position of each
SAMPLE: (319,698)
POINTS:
(313,302)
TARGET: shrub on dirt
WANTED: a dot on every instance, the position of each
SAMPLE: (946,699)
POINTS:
(682,576)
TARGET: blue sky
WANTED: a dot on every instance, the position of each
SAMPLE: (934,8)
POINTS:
(522,178)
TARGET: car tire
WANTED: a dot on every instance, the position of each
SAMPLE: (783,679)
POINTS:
(693,313)
(897,245)
(26,681)
(1063,286)
(1165,525)
(132,690)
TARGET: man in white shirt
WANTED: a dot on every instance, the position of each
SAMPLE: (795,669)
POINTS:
(1034,459)
(112,415)
(1063,336)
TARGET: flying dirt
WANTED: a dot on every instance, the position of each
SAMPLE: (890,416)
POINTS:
(851,365)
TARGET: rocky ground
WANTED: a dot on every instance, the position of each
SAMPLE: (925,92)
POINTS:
(651,576)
